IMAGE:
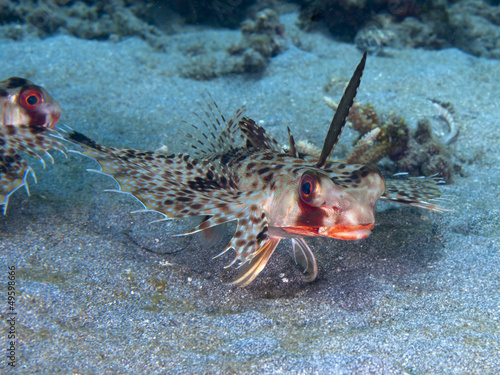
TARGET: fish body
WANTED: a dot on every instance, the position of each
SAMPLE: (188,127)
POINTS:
(239,173)
(299,199)
(28,117)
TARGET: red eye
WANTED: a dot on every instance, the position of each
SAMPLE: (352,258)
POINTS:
(31,99)
(307,188)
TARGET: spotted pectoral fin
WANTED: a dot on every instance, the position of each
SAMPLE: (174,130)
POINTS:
(32,140)
(413,191)
(174,185)
(178,186)
(304,257)
(252,244)
(13,173)
(213,232)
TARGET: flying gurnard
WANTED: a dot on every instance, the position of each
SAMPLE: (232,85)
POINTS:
(28,115)
(240,173)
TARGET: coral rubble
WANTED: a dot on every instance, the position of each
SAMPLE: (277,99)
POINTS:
(391,140)
(475,27)
(419,152)
(263,37)
(84,19)
(228,13)
(343,18)
(471,25)
(426,155)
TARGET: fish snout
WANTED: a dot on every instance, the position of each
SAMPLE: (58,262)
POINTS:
(360,215)
(53,111)
(354,223)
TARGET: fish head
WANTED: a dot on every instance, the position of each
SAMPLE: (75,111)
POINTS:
(336,205)
(24,103)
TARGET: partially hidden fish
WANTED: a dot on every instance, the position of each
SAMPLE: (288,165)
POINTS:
(240,173)
(28,115)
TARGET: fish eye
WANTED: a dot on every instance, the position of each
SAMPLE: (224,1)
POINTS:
(31,99)
(307,188)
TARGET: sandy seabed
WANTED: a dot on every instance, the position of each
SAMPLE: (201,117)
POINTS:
(102,291)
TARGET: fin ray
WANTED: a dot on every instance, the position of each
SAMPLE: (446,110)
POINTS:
(33,140)
(219,135)
(304,256)
(413,191)
(252,268)
(175,185)
(257,136)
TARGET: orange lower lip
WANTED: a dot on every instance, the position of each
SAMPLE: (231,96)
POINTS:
(341,232)
(52,123)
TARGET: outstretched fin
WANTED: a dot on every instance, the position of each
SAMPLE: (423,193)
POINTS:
(178,186)
(413,191)
(252,268)
(174,185)
(13,175)
(31,139)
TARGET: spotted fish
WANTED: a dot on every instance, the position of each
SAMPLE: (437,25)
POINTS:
(28,116)
(242,174)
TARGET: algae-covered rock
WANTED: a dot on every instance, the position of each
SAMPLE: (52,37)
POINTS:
(263,38)
(475,28)
(227,13)
(343,18)
(427,156)
(85,19)
(420,152)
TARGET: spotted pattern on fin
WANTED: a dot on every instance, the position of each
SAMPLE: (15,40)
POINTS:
(175,185)
(179,186)
(413,191)
(32,140)
(251,234)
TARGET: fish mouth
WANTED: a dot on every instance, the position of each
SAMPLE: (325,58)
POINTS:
(55,114)
(341,232)
(51,124)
